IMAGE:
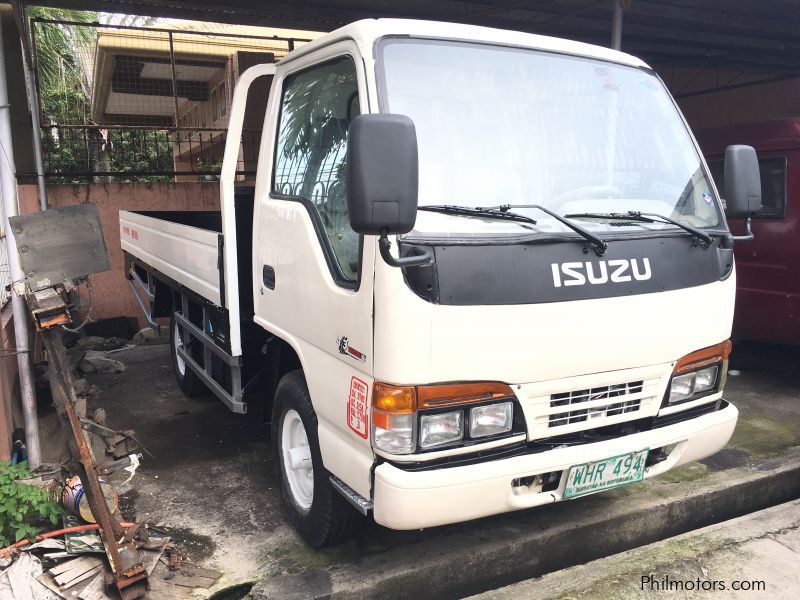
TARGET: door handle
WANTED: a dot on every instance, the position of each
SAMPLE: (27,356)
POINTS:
(268,275)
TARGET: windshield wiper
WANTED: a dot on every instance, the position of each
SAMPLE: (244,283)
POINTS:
(452,209)
(640,217)
(599,245)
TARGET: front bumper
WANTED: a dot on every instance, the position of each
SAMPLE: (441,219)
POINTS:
(414,500)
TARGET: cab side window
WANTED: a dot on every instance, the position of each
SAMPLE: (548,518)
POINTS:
(310,158)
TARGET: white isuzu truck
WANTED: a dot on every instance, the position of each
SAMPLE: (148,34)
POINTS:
(479,271)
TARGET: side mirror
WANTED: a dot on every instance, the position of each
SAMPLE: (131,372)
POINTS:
(382,177)
(742,182)
(742,186)
(383,180)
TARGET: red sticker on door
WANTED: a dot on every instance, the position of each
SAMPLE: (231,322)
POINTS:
(357,417)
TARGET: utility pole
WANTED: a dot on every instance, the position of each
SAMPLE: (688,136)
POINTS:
(8,189)
(616,26)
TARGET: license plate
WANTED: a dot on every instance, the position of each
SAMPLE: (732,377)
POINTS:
(592,477)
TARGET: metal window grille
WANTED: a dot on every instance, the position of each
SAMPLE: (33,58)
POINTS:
(127,103)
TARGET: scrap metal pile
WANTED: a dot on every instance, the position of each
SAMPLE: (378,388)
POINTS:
(102,556)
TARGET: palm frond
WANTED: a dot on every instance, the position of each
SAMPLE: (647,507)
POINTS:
(59,46)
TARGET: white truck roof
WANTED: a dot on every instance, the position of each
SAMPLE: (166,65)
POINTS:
(366,31)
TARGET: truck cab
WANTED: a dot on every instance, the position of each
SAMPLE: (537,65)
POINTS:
(488,271)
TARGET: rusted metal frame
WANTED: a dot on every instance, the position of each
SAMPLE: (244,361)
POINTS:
(130,577)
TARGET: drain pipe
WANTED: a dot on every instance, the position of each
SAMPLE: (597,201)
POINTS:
(8,189)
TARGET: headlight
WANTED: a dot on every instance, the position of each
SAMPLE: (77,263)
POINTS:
(682,387)
(705,379)
(444,428)
(685,386)
(407,419)
(700,372)
(492,419)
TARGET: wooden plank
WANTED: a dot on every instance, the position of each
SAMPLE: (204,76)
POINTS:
(47,581)
(152,560)
(69,564)
(65,577)
(76,588)
(84,576)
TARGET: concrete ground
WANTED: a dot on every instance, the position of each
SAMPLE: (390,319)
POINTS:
(212,483)
(753,556)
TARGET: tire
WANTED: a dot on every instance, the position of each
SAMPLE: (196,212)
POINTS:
(190,384)
(316,510)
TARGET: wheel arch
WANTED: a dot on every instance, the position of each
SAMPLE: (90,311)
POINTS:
(283,356)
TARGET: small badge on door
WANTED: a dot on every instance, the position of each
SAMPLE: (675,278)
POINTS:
(346,349)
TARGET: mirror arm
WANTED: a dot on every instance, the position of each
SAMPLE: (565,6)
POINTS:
(422,256)
(748,233)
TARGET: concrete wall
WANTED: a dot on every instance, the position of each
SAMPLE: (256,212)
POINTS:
(112,296)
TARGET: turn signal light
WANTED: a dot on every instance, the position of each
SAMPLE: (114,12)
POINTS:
(706,356)
(393,418)
(436,396)
(394,398)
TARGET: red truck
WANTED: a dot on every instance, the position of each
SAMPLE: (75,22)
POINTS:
(768,268)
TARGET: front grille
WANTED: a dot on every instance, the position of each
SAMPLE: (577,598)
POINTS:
(618,406)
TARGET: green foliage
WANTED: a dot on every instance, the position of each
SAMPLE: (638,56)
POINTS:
(59,47)
(24,509)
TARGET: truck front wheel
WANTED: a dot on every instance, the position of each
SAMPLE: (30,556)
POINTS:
(315,509)
(188,381)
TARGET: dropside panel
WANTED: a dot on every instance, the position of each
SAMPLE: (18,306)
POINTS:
(189,255)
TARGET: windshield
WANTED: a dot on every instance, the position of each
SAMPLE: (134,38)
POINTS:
(498,125)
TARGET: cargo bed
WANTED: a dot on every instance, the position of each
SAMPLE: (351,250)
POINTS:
(176,263)
(195,268)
